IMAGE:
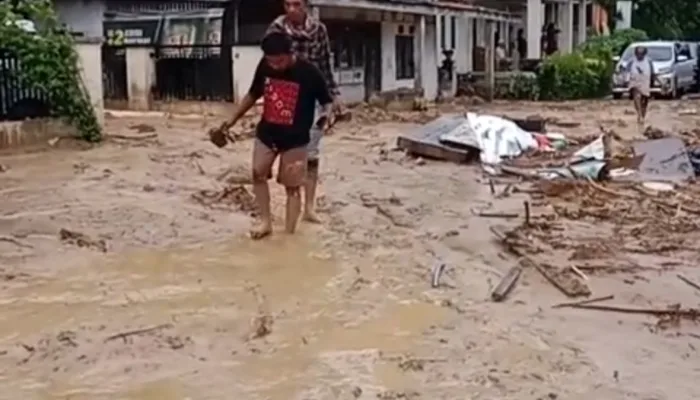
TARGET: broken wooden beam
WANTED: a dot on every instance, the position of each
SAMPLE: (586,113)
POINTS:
(425,141)
(507,284)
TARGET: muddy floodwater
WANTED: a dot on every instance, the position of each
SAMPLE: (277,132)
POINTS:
(126,273)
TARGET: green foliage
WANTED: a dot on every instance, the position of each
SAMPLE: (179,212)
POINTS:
(48,62)
(586,72)
(668,20)
(521,86)
(583,74)
(613,44)
(574,76)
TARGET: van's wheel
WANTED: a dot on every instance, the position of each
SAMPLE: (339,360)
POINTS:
(617,96)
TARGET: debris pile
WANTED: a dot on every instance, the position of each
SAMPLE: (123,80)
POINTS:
(81,240)
(645,219)
(583,229)
(598,205)
(526,149)
(365,114)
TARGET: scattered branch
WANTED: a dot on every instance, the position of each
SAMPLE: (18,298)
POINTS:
(583,302)
(125,335)
(689,282)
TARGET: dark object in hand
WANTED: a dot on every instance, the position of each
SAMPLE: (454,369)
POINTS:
(340,116)
(219,135)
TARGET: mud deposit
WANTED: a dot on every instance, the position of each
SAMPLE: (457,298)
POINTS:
(126,273)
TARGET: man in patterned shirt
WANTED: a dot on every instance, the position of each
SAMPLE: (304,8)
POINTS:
(309,41)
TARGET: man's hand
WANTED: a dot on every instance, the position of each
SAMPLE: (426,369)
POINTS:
(328,117)
(337,105)
(220,136)
(228,124)
(327,124)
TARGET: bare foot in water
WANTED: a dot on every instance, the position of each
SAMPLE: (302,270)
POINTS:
(310,216)
(261,231)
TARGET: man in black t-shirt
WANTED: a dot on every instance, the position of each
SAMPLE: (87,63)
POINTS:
(290,88)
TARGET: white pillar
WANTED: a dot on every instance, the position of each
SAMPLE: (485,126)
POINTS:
(438,37)
(90,63)
(139,77)
(509,36)
(565,23)
(469,36)
(581,22)
(480,32)
(462,45)
(420,55)
(533,21)
(490,61)
(515,53)
(551,16)
(503,28)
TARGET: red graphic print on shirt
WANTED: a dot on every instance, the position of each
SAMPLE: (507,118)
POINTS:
(280,101)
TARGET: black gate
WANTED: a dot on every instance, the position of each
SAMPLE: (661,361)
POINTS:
(114,73)
(17,100)
(194,72)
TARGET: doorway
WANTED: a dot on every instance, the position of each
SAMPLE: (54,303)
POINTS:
(357,59)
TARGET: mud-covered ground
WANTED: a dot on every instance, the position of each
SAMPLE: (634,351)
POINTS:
(126,273)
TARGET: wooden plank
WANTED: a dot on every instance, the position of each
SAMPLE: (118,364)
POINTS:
(530,124)
(425,142)
(506,285)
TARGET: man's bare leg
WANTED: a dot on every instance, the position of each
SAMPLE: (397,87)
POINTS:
(637,100)
(293,209)
(263,158)
(644,105)
(262,198)
(310,185)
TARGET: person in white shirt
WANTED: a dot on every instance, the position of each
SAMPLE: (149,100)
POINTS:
(500,56)
(641,77)
(500,51)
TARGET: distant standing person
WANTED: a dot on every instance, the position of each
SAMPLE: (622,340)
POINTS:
(310,42)
(522,44)
(551,40)
(290,87)
(641,72)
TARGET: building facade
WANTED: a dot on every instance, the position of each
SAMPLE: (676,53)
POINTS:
(378,46)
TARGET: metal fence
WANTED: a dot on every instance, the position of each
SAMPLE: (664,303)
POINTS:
(18,101)
(195,72)
(114,73)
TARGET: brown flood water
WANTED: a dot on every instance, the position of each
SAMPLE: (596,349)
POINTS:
(210,294)
(364,321)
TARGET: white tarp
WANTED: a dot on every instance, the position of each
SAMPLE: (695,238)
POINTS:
(497,137)
(594,150)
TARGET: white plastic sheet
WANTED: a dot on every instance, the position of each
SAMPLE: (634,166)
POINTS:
(497,138)
(594,150)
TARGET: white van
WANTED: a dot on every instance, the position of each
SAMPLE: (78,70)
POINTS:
(673,63)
